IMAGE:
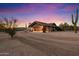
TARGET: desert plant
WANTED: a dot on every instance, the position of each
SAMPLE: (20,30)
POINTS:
(74,22)
(66,26)
(1,26)
(10,26)
(61,26)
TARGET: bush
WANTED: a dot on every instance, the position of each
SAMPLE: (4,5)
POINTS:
(9,26)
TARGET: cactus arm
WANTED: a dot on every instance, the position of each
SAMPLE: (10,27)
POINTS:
(72,19)
(76,20)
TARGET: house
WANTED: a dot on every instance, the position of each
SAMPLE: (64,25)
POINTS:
(37,26)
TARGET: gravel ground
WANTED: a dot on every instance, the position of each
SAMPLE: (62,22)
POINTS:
(40,44)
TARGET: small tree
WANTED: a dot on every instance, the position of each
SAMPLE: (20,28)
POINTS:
(61,26)
(10,26)
(74,21)
(1,26)
(66,26)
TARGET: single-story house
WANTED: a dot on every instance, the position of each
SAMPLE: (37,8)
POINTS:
(37,26)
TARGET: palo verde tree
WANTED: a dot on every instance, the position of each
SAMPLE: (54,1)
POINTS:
(75,21)
(66,26)
(10,26)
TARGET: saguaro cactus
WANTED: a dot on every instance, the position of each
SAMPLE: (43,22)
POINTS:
(74,22)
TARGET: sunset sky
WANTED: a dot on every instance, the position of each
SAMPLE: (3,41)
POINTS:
(44,12)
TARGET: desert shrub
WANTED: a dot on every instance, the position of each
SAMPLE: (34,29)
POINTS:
(10,26)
